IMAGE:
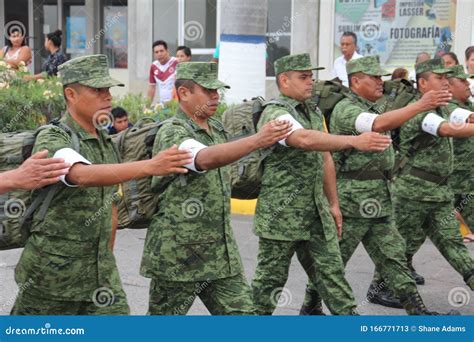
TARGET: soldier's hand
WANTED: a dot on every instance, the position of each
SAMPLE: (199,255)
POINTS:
(434,99)
(372,142)
(272,132)
(170,161)
(337,216)
(39,171)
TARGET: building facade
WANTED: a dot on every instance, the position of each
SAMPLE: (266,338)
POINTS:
(125,30)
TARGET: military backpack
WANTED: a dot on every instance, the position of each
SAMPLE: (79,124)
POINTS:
(327,94)
(240,121)
(397,94)
(138,202)
(18,206)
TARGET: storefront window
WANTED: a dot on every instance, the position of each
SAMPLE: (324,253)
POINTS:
(45,21)
(75,19)
(279,25)
(166,23)
(114,32)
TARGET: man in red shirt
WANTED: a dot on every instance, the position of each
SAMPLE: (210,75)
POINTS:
(162,72)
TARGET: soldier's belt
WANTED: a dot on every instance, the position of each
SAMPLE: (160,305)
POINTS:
(419,173)
(365,175)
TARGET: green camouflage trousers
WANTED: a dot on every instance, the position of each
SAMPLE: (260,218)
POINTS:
(227,296)
(28,304)
(418,220)
(321,260)
(385,246)
(465,204)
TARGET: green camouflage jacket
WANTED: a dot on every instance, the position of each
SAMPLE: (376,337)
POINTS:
(434,156)
(360,198)
(190,237)
(291,197)
(67,256)
(462,179)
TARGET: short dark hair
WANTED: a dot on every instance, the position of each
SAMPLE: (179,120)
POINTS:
(350,34)
(119,112)
(359,74)
(185,49)
(55,37)
(453,56)
(423,75)
(189,84)
(76,86)
(287,73)
(160,42)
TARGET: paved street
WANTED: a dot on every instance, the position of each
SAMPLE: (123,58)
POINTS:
(440,277)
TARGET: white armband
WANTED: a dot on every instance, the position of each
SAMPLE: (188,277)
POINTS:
(71,157)
(296,125)
(431,123)
(365,121)
(194,147)
(459,116)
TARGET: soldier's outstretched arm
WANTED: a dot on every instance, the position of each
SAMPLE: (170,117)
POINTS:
(319,141)
(83,173)
(395,118)
(36,172)
(215,156)
(448,129)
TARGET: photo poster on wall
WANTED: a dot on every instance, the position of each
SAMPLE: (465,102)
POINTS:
(76,33)
(397,30)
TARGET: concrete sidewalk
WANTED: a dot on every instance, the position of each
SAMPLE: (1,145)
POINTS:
(440,277)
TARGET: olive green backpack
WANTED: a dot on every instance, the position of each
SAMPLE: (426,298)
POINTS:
(397,94)
(327,94)
(138,202)
(18,206)
(240,121)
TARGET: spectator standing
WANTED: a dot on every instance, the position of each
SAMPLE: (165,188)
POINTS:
(16,50)
(348,49)
(52,43)
(162,72)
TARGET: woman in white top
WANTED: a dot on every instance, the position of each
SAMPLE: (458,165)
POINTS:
(16,50)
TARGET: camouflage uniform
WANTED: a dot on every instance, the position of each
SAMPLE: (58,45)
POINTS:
(363,189)
(190,249)
(293,215)
(67,267)
(423,201)
(462,179)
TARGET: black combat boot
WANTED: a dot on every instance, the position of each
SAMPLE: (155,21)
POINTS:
(379,293)
(419,279)
(414,305)
(312,305)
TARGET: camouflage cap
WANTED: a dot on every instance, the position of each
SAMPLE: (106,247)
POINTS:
(435,65)
(299,62)
(457,71)
(91,71)
(369,65)
(203,73)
